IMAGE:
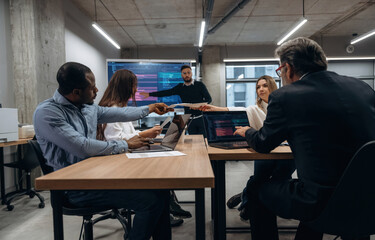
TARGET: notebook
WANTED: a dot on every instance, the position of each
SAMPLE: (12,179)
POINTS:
(170,140)
(220,126)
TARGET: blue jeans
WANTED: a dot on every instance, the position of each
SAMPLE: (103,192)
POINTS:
(151,209)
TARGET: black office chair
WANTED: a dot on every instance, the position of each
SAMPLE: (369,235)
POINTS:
(25,164)
(350,212)
(86,212)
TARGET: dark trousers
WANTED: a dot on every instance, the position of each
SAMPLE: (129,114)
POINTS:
(264,170)
(263,223)
(151,209)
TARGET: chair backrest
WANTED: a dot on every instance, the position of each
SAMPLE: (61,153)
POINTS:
(29,160)
(350,212)
(34,145)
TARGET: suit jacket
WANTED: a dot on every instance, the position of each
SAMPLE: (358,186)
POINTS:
(325,118)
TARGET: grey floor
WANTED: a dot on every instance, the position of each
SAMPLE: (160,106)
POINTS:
(29,222)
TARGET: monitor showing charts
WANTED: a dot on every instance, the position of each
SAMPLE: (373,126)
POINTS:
(153,75)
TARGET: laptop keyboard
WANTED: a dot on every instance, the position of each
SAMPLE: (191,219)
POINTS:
(239,143)
(235,144)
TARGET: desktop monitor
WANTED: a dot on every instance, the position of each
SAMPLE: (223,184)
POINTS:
(153,75)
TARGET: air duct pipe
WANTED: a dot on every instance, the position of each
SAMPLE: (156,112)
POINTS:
(228,16)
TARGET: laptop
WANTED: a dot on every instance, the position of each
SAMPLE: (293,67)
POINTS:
(170,140)
(220,126)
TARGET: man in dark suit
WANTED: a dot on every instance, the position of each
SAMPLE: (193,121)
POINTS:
(325,118)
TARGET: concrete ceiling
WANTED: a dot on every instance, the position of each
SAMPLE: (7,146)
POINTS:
(135,23)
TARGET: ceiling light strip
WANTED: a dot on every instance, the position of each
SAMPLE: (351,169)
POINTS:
(201,35)
(292,31)
(153,60)
(362,37)
(277,60)
(349,58)
(96,26)
(251,60)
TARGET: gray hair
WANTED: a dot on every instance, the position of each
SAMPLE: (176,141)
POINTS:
(303,54)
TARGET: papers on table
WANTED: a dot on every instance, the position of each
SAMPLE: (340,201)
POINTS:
(155,154)
(191,105)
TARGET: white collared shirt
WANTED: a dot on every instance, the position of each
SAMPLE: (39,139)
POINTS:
(304,75)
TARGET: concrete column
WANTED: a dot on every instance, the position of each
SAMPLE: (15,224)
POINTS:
(50,45)
(213,74)
(24,67)
(38,44)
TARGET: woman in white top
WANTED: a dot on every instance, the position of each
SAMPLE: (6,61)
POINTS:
(263,170)
(256,113)
(121,88)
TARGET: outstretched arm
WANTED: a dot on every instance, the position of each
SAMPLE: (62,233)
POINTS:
(144,94)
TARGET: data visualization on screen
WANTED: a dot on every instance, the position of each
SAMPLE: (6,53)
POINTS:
(152,77)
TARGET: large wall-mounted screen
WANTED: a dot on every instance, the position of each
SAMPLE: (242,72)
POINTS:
(153,75)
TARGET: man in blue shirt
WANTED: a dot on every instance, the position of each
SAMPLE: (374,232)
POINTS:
(65,126)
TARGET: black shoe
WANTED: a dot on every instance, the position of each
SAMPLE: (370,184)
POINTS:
(177,211)
(175,222)
(244,215)
(234,201)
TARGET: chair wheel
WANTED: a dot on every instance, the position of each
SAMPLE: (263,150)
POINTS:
(10,207)
(41,205)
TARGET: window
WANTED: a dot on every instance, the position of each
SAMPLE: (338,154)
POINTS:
(364,70)
(241,79)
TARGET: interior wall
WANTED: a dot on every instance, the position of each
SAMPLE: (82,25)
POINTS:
(6,77)
(85,45)
(7,98)
(336,46)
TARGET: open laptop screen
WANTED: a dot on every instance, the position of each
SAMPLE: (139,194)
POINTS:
(175,130)
(220,126)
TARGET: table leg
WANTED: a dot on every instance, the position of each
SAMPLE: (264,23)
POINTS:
(3,200)
(220,209)
(200,220)
(56,202)
(213,193)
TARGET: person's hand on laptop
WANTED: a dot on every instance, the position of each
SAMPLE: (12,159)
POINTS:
(159,108)
(241,131)
(137,142)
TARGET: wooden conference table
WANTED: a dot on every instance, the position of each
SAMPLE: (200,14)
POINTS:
(218,158)
(192,171)
(2,145)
